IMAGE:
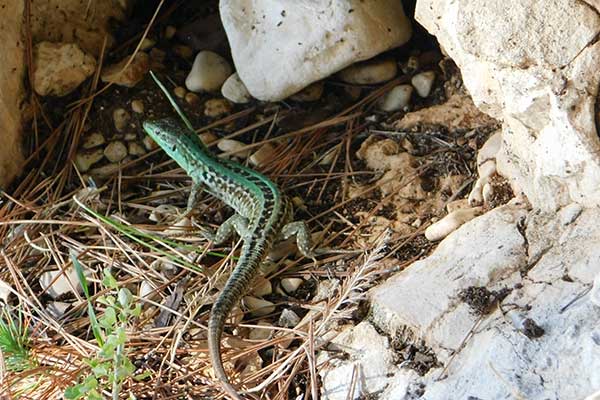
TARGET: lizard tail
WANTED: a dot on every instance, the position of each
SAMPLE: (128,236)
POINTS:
(251,255)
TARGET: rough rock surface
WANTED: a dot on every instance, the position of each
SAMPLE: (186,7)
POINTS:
(541,342)
(281,47)
(59,68)
(12,69)
(532,65)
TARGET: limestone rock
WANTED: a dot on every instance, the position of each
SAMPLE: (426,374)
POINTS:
(59,68)
(12,69)
(282,47)
(396,99)
(370,72)
(533,65)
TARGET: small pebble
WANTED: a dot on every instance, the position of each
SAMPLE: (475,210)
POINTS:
(217,107)
(170,31)
(312,92)
(396,99)
(57,283)
(147,290)
(4,291)
(208,72)
(115,151)
(130,136)
(263,155)
(85,159)
(180,92)
(121,118)
(208,137)
(192,99)
(234,147)
(135,149)
(261,287)
(258,307)
(450,223)
(92,140)
(106,171)
(261,333)
(460,204)
(57,308)
(288,318)
(149,143)
(235,91)
(134,73)
(328,157)
(290,285)
(147,44)
(162,212)
(411,66)
(137,106)
(183,51)
(423,82)
(369,72)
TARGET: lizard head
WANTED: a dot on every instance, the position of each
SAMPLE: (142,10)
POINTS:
(179,142)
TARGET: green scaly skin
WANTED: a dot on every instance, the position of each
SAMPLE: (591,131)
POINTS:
(262,215)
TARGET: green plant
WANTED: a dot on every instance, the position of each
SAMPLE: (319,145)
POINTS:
(14,342)
(111,366)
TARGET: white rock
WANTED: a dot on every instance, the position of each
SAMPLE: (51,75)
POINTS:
(570,213)
(396,99)
(288,318)
(366,354)
(261,333)
(235,91)
(85,159)
(57,308)
(208,137)
(282,47)
(290,285)
(132,75)
(595,292)
(258,307)
(4,291)
(263,155)
(370,72)
(261,287)
(120,118)
(208,72)
(147,290)
(486,168)
(115,151)
(59,68)
(450,223)
(235,147)
(423,82)
(57,283)
(532,65)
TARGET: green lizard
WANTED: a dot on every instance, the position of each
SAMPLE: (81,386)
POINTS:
(262,216)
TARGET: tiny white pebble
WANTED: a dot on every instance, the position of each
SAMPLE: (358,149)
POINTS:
(115,151)
(180,92)
(137,106)
(423,82)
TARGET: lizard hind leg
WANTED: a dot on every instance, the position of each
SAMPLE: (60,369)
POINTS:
(235,223)
(303,238)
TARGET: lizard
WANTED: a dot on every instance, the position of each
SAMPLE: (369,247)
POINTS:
(263,215)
